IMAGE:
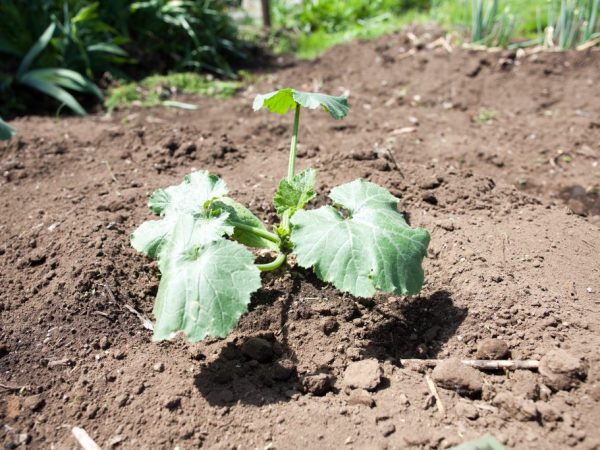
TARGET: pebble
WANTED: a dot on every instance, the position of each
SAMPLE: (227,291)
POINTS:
(104,343)
(158,367)
(365,374)
(258,349)
(561,370)
(454,375)
(468,410)
(360,397)
(519,408)
(329,326)
(387,428)
(121,400)
(548,412)
(318,385)
(492,349)
(34,403)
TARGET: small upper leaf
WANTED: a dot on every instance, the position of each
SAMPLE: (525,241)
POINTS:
(294,195)
(373,248)
(283,100)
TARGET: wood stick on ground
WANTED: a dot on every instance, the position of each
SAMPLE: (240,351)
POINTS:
(84,439)
(433,389)
(8,388)
(146,322)
(481,364)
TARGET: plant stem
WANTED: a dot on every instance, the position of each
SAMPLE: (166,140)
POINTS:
(292,163)
(276,264)
(258,231)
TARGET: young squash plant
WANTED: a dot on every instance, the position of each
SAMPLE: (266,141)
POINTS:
(360,242)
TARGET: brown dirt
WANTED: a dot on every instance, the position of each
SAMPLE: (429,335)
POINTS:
(508,260)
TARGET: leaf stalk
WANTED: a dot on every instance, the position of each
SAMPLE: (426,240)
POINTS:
(258,231)
(275,264)
(293,144)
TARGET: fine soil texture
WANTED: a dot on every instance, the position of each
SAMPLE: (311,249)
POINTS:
(497,154)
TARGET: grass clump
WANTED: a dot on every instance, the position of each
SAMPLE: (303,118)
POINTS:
(158,89)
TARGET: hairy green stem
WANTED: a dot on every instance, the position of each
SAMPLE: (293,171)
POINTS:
(293,144)
(275,264)
(258,231)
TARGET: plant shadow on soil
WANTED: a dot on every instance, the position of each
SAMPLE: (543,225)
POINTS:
(416,327)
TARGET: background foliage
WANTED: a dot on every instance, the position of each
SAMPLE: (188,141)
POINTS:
(113,39)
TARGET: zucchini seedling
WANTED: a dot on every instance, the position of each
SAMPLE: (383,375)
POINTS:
(360,243)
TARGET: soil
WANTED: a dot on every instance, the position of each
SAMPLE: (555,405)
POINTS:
(496,155)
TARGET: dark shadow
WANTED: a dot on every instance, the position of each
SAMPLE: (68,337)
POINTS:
(416,327)
(259,368)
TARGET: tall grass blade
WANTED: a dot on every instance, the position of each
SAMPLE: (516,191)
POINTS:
(54,91)
(36,49)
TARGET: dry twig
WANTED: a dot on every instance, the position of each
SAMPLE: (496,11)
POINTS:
(433,389)
(481,364)
(84,439)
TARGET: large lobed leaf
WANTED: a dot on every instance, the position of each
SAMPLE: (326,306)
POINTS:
(283,100)
(205,286)
(373,248)
(206,280)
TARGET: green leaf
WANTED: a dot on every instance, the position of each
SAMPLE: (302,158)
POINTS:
(66,78)
(6,131)
(187,198)
(205,288)
(294,195)
(241,217)
(283,100)
(487,442)
(54,91)
(373,248)
(36,49)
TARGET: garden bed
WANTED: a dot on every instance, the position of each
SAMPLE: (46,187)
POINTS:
(496,155)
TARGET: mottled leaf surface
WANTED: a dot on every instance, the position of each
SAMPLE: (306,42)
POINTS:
(361,244)
(206,280)
(283,100)
(205,287)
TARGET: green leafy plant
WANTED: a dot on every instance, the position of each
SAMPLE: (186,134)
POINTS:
(487,442)
(52,81)
(6,131)
(360,242)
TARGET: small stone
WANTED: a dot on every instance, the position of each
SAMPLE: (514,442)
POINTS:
(158,367)
(360,397)
(258,349)
(34,403)
(283,371)
(104,343)
(467,410)
(454,375)
(24,438)
(492,349)
(561,370)
(330,325)
(121,400)
(365,374)
(387,428)
(548,412)
(173,403)
(518,408)
(318,385)
(403,400)
(430,183)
